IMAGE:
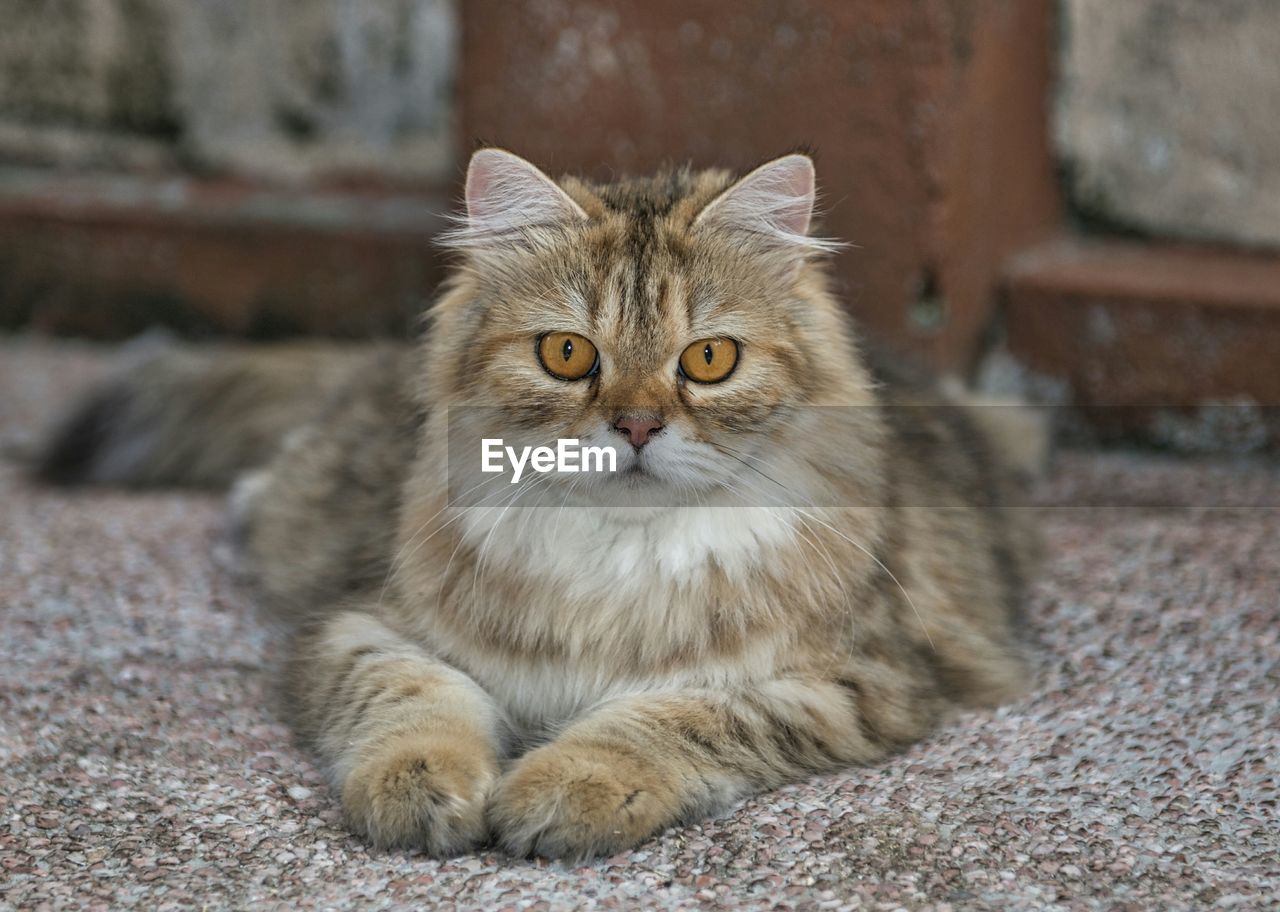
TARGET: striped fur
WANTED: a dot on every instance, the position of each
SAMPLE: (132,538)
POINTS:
(567,671)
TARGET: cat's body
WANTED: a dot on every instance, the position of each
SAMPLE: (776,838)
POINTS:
(799,568)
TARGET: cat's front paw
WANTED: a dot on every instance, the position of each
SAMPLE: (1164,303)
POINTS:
(575,801)
(419,791)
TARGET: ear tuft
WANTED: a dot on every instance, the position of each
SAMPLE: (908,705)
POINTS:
(506,194)
(774,202)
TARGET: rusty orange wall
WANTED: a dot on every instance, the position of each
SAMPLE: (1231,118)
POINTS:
(928,119)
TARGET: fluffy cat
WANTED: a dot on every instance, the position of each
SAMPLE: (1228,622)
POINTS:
(800,564)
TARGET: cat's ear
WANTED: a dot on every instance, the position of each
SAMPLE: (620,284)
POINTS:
(506,194)
(774,204)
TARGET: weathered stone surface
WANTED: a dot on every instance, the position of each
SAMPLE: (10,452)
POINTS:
(928,120)
(113,256)
(292,88)
(79,63)
(1167,115)
(1173,343)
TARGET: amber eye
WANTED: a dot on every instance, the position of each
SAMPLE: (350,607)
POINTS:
(568,356)
(709,360)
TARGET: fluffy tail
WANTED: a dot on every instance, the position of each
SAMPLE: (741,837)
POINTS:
(1020,435)
(194,416)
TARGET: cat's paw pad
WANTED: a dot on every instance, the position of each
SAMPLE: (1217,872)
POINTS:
(420,792)
(575,802)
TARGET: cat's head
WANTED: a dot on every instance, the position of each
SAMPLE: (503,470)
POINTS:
(682,319)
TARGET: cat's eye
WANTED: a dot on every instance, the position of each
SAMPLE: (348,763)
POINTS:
(709,360)
(568,356)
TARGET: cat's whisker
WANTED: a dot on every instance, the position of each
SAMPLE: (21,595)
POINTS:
(836,659)
(734,455)
(555,530)
(481,557)
(444,577)
(813,542)
(920,618)
(395,569)
(879,563)
(395,561)
(504,506)
(532,510)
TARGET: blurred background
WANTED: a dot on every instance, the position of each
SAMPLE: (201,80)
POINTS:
(1074,199)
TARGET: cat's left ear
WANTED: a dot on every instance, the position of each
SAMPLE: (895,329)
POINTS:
(773,204)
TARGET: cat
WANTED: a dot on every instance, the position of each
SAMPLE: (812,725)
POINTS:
(799,565)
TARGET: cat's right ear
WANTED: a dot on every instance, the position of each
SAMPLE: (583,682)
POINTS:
(506,195)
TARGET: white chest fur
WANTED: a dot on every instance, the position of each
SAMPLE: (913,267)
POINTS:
(594,549)
(615,589)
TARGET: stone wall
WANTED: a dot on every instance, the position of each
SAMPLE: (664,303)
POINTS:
(276,88)
(927,119)
(1168,115)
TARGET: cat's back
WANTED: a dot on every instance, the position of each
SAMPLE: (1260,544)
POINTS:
(317,523)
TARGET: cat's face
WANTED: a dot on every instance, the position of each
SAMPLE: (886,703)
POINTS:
(677,320)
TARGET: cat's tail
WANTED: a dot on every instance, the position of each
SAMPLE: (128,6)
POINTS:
(193,415)
(1020,435)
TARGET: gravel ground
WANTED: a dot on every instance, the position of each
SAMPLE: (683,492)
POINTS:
(141,765)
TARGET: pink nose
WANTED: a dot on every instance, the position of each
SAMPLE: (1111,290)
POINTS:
(638,430)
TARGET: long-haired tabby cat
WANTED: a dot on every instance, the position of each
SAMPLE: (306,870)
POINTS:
(793,569)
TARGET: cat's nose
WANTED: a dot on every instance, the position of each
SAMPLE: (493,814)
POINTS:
(638,430)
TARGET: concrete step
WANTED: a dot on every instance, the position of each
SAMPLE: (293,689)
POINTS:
(1163,340)
(108,255)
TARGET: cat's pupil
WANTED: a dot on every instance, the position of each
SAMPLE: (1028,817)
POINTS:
(567,351)
(706,353)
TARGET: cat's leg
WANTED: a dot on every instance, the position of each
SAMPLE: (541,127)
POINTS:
(411,742)
(639,764)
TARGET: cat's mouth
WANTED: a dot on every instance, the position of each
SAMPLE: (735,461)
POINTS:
(639,475)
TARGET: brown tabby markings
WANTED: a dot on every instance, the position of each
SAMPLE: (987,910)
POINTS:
(573,680)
